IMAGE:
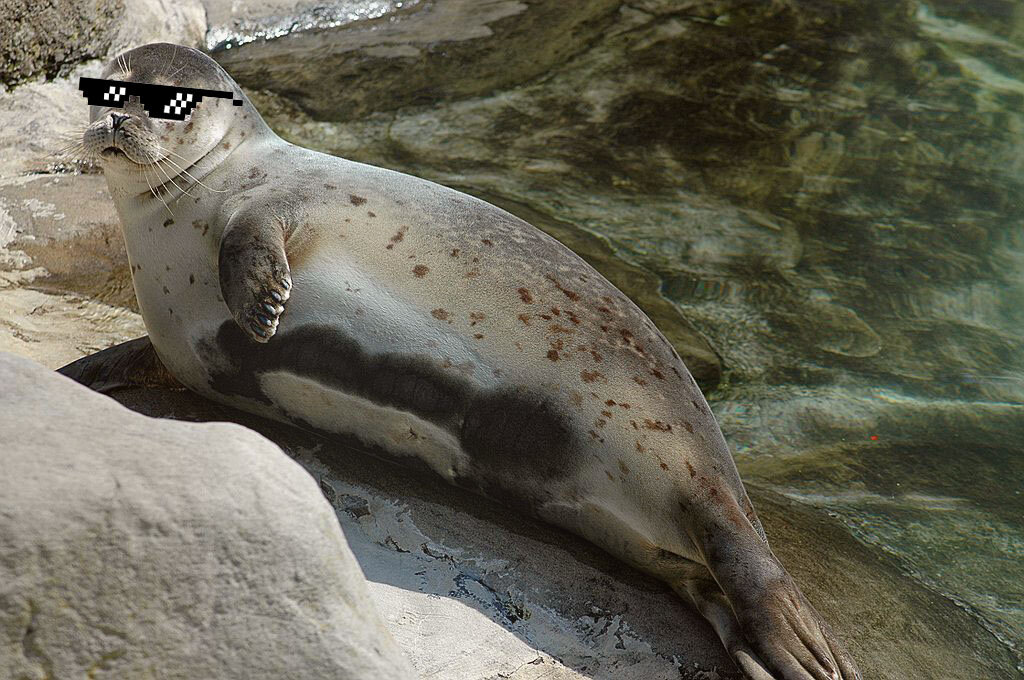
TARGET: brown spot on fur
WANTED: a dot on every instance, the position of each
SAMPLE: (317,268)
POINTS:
(397,238)
(663,465)
(370,213)
(525,318)
(553,354)
(624,405)
(475,317)
(689,428)
(623,467)
(420,270)
(607,414)
(657,374)
(591,376)
(638,380)
(635,426)
(224,145)
(455,252)
(199,224)
(557,344)
(472,274)
(639,446)
(600,423)
(693,473)
(356,200)
(188,126)
(168,222)
(478,336)
(525,296)
(546,317)
(572,317)
(628,338)
(565,291)
(191,279)
(610,402)
(486,242)
(597,357)
(439,314)
(604,310)
(657,425)
(577,398)
(558,328)
(330,186)
(604,328)
(555,311)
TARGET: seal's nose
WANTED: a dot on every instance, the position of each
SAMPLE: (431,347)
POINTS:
(117,120)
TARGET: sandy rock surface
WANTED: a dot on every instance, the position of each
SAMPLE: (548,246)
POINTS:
(132,547)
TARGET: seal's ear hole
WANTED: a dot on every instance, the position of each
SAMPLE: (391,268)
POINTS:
(177,106)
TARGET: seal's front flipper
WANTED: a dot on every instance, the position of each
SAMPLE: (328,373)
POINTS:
(254,276)
(130,364)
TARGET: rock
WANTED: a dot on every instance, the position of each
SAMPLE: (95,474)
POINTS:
(417,53)
(474,591)
(50,38)
(134,547)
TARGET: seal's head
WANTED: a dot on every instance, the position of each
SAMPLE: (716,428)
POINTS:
(165,107)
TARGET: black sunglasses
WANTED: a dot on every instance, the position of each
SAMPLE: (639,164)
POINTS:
(159,101)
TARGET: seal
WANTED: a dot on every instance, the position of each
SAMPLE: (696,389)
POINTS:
(437,329)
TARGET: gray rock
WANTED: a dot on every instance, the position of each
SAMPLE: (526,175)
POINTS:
(50,38)
(132,547)
(476,592)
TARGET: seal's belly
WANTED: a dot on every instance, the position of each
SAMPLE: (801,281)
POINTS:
(399,432)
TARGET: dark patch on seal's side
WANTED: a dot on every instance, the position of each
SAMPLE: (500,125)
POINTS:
(356,200)
(516,438)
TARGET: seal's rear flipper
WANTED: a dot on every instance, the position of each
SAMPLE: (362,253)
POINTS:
(130,364)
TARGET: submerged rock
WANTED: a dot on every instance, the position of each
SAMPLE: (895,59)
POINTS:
(134,547)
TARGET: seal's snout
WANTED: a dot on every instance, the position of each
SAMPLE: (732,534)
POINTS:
(117,120)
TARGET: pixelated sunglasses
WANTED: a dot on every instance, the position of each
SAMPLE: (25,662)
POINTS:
(159,101)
